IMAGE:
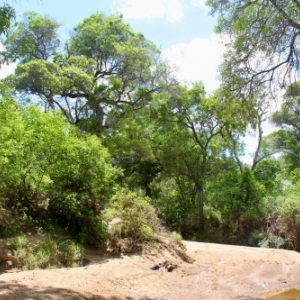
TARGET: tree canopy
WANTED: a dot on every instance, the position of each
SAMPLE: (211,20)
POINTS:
(262,39)
(105,69)
(96,128)
(7,16)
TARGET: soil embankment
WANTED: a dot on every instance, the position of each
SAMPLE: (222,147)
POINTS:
(218,272)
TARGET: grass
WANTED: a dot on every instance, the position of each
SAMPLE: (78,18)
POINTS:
(46,253)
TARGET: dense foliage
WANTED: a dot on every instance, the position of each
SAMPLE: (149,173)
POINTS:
(100,141)
(49,170)
(105,70)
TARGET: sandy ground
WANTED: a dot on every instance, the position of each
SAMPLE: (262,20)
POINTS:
(218,272)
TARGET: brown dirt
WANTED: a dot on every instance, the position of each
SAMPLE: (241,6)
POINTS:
(218,272)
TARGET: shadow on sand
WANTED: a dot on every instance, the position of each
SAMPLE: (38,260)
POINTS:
(16,291)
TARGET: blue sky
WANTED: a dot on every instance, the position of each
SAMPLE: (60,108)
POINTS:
(182,29)
(165,22)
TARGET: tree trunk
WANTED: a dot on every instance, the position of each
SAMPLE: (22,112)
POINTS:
(200,191)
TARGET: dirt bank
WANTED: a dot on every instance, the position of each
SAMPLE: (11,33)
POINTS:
(218,272)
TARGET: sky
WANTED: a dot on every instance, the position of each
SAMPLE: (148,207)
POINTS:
(182,29)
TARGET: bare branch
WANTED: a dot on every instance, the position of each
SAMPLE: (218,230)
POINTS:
(235,151)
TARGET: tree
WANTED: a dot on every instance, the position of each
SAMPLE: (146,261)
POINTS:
(7,15)
(191,138)
(106,68)
(286,140)
(238,188)
(35,37)
(131,141)
(289,114)
(49,170)
(262,39)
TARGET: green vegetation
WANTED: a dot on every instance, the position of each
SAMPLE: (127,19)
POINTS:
(46,254)
(101,147)
(132,221)
(51,171)
(262,43)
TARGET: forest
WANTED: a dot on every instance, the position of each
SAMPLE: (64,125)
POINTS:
(104,131)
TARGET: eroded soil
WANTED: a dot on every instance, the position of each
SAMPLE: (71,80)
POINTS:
(218,272)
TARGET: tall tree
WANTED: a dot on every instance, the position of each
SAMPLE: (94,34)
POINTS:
(105,69)
(236,187)
(190,139)
(262,39)
(287,139)
(7,15)
(34,37)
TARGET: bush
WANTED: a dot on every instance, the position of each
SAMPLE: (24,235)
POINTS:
(176,236)
(47,254)
(175,200)
(131,221)
(50,170)
(70,254)
(9,223)
(286,217)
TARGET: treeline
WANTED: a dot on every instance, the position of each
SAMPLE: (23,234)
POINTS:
(99,129)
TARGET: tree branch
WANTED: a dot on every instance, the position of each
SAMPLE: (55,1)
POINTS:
(296,2)
(235,153)
(285,15)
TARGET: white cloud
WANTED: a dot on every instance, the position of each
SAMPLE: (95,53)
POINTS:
(198,3)
(171,10)
(6,70)
(197,60)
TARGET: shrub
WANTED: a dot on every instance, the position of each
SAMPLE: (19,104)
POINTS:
(50,170)
(131,221)
(71,254)
(175,200)
(47,254)
(176,236)
(286,217)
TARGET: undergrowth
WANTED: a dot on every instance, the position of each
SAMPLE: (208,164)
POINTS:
(133,226)
(131,221)
(45,254)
